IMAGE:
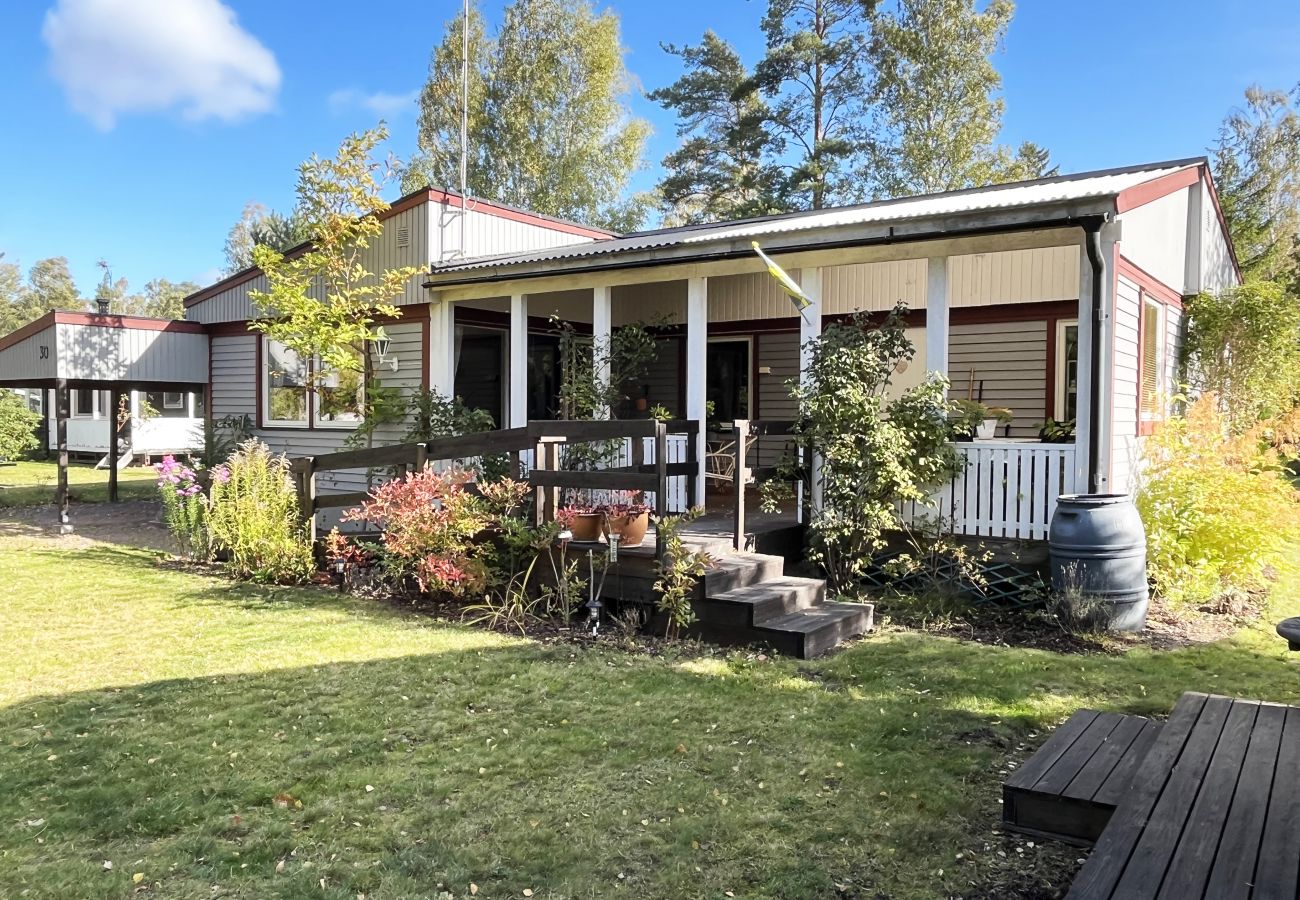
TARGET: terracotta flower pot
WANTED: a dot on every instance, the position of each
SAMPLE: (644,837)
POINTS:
(588,527)
(630,529)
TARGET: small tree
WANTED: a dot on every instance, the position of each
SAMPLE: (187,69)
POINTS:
(874,452)
(323,303)
(18,426)
(1244,345)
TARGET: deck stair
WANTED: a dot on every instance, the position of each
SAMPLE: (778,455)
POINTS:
(1070,787)
(747,598)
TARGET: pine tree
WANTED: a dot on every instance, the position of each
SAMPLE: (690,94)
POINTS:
(720,171)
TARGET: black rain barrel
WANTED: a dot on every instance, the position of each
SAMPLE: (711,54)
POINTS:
(1096,542)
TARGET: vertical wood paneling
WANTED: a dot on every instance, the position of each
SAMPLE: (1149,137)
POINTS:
(1015,276)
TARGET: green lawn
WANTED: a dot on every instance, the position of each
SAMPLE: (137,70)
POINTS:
(32,483)
(150,718)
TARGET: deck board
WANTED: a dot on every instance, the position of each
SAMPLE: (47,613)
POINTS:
(1213,812)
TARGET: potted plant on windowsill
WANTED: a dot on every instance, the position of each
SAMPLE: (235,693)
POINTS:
(628,516)
(1057,431)
(973,420)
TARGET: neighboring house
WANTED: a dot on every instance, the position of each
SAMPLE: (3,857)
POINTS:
(1010,289)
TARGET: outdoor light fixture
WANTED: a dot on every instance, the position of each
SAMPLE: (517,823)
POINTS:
(339,566)
(594,606)
(382,342)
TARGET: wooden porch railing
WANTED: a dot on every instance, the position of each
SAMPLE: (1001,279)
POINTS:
(546,476)
(748,433)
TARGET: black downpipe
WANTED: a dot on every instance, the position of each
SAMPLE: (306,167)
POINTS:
(1092,230)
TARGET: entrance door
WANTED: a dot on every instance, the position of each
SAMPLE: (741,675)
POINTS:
(728,387)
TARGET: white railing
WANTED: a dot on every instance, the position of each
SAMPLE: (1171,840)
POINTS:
(1006,489)
(157,435)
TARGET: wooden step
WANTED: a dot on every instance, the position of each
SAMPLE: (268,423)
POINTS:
(811,632)
(1070,787)
(737,570)
(757,603)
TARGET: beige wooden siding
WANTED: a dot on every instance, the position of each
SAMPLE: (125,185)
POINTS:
(1125,445)
(491,235)
(1016,276)
(403,242)
(873,286)
(1009,363)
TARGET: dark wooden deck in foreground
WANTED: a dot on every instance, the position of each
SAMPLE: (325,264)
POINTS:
(1212,811)
(1070,787)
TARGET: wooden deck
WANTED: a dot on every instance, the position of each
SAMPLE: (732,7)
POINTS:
(1213,811)
(1070,787)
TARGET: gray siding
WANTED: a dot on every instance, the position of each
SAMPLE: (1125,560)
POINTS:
(780,350)
(101,353)
(22,361)
(234,375)
(1010,360)
(664,377)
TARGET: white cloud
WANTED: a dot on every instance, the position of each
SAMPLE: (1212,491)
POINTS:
(122,56)
(381,103)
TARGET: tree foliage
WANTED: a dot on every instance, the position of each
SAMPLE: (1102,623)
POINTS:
(549,129)
(258,225)
(875,452)
(935,100)
(722,170)
(18,424)
(1256,162)
(1243,344)
(815,74)
(323,303)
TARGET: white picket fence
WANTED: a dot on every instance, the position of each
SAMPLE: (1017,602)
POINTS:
(1006,489)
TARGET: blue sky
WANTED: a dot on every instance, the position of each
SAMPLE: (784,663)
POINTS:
(148,166)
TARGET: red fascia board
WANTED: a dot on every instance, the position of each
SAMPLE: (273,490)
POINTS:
(1147,191)
(428,195)
(1148,282)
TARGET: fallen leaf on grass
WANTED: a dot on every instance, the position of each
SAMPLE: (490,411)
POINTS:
(284,800)
(473,888)
(137,877)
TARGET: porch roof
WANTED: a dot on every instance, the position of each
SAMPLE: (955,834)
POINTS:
(88,350)
(1046,201)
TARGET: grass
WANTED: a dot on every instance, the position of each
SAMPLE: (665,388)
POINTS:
(30,483)
(151,717)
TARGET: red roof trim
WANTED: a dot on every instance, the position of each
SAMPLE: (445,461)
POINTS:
(425,195)
(1147,191)
(61,317)
(1148,282)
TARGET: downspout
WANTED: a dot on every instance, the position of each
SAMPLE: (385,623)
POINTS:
(1092,233)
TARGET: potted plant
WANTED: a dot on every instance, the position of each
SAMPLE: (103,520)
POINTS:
(1057,431)
(628,516)
(586,522)
(972,419)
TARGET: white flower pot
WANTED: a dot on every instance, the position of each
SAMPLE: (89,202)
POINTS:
(987,430)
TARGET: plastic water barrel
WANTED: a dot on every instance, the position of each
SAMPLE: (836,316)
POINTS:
(1097,545)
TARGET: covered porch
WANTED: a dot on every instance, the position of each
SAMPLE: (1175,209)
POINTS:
(1005,313)
(81,357)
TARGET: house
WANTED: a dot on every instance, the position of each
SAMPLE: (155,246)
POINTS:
(1058,298)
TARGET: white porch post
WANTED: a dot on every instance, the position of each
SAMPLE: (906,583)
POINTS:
(697,349)
(518,369)
(442,348)
(810,328)
(936,315)
(602,331)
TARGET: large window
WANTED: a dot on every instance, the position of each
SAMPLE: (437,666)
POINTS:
(1067,371)
(1151,361)
(285,385)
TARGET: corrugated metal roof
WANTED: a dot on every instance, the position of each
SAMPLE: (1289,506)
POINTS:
(1026,194)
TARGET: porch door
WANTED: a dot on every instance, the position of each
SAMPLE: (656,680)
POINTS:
(728,370)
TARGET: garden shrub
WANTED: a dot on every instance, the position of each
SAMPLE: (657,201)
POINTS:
(18,426)
(253,515)
(430,523)
(185,507)
(1217,508)
(876,452)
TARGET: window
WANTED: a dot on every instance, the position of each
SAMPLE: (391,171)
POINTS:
(165,404)
(339,395)
(1151,361)
(285,382)
(87,404)
(173,400)
(1067,371)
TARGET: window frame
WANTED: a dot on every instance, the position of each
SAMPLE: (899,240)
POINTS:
(180,400)
(1059,387)
(1148,418)
(314,402)
(265,375)
(96,404)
